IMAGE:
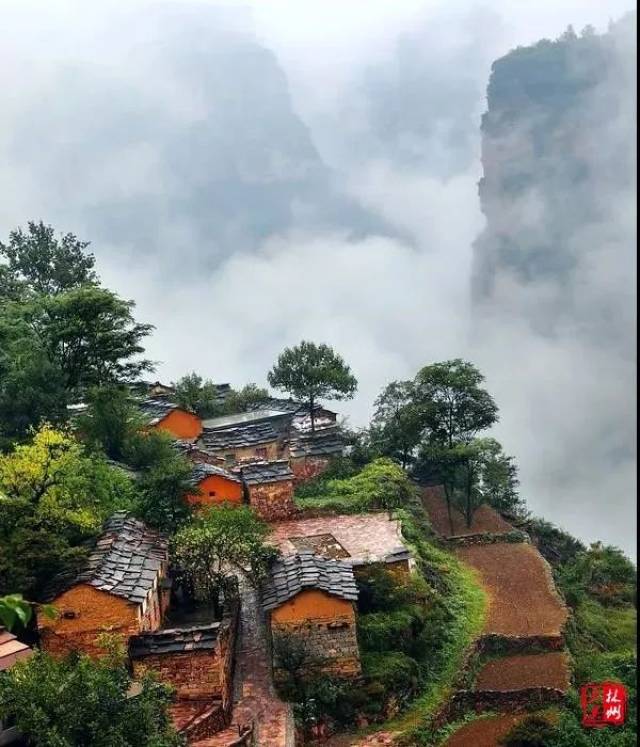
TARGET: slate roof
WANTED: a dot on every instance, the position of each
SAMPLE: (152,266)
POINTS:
(293,574)
(240,418)
(154,409)
(237,436)
(257,473)
(175,640)
(201,470)
(125,561)
(11,650)
(325,442)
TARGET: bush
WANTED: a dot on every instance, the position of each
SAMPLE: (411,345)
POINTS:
(534,731)
(394,671)
(391,631)
(382,484)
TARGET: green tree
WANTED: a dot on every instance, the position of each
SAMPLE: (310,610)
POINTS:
(397,422)
(309,372)
(244,399)
(79,702)
(162,491)
(500,481)
(38,262)
(110,422)
(91,335)
(195,393)
(227,540)
(53,498)
(455,405)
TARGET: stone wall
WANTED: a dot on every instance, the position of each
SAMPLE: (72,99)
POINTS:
(273,501)
(306,468)
(84,613)
(198,674)
(332,645)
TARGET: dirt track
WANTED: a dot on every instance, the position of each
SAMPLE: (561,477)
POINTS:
(524,671)
(522,598)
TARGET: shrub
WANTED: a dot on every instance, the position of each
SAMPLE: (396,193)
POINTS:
(394,671)
(533,731)
(391,631)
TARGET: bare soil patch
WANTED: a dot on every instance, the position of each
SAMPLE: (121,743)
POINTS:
(525,670)
(485,732)
(522,597)
(485,519)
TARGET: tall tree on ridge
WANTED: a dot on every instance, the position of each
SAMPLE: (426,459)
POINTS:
(309,372)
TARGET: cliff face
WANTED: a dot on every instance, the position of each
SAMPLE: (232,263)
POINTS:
(558,154)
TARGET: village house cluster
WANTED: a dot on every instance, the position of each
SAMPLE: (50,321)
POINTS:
(253,458)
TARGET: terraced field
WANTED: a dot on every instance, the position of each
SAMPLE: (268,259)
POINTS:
(522,598)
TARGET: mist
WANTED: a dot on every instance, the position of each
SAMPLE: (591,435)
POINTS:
(256,174)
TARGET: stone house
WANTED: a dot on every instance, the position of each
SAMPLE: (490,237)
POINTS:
(11,651)
(198,662)
(264,439)
(312,600)
(269,488)
(122,589)
(170,417)
(215,486)
(310,453)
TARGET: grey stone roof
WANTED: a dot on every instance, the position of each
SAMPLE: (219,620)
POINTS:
(126,561)
(237,436)
(201,470)
(241,418)
(395,556)
(154,409)
(294,573)
(325,442)
(256,473)
(175,640)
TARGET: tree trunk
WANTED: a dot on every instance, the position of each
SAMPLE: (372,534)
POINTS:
(447,496)
(313,417)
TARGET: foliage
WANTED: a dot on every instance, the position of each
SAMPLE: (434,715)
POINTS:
(602,572)
(162,490)
(244,399)
(14,609)
(53,497)
(309,372)
(555,545)
(382,484)
(196,394)
(111,421)
(533,731)
(39,263)
(456,407)
(145,449)
(397,424)
(90,334)
(78,702)
(224,541)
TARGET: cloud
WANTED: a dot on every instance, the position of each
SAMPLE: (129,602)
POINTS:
(255,174)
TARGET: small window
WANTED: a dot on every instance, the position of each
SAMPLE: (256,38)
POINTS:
(262,453)
(69,615)
(212,494)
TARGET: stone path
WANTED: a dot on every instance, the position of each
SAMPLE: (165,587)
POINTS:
(255,700)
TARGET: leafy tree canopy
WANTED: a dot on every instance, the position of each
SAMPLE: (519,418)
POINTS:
(456,406)
(309,372)
(397,424)
(53,497)
(38,262)
(79,702)
(227,540)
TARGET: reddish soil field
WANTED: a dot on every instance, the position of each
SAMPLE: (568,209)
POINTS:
(522,598)
(525,670)
(484,732)
(485,519)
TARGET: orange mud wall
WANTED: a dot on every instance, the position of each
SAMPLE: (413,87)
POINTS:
(216,490)
(181,424)
(327,626)
(94,612)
